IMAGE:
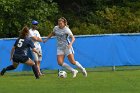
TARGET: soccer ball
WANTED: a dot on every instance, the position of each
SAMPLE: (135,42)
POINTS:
(62,74)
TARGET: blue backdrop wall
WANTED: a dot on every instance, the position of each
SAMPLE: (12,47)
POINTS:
(90,51)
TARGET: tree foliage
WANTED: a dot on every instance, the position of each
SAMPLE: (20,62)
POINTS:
(16,13)
(84,16)
(102,16)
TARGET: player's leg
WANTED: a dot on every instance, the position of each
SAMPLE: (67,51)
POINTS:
(36,58)
(11,67)
(34,67)
(60,60)
(39,61)
(38,70)
(38,64)
(72,60)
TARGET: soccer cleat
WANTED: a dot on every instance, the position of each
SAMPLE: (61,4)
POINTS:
(74,73)
(84,72)
(3,71)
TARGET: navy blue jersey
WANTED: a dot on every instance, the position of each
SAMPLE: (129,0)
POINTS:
(22,45)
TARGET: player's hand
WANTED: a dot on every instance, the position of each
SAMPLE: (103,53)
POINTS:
(70,45)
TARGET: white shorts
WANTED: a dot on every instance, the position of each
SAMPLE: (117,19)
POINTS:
(35,55)
(65,51)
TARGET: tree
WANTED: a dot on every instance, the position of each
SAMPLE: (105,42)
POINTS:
(119,20)
(92,16)
(16,13)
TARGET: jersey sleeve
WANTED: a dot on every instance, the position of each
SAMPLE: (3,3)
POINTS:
(31,44)
(69,32)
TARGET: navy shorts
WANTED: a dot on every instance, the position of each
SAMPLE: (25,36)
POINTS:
(20,58)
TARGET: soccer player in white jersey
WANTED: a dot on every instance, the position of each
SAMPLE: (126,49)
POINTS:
(64,46)
(36,38)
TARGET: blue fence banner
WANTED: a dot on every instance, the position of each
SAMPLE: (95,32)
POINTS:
(90,51)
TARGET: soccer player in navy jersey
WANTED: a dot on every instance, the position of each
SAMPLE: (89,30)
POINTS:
(19,52)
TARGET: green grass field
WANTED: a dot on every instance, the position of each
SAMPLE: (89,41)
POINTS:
(96,82)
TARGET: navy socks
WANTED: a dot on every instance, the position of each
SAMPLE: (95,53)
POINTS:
(11,67)
(34,68)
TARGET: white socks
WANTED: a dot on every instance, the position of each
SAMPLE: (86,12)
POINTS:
(65,65)
(79,65)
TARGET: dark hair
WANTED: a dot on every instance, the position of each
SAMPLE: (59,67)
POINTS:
(64,20)
(24,32)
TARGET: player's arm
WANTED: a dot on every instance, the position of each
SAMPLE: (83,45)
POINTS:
(35,38)
(49,36)
(72,41)
(69,32)
(12,52)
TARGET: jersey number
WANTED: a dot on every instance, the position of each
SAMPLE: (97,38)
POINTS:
(20,42)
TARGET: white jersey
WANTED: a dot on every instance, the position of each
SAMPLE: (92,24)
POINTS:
(35,33)
(62,36)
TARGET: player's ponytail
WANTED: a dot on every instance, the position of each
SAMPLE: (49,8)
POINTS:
(64,20)
(24,32)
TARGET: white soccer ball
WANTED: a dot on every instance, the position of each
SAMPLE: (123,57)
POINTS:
(62,74)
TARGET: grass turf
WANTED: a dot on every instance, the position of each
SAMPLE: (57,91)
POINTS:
(96,82)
